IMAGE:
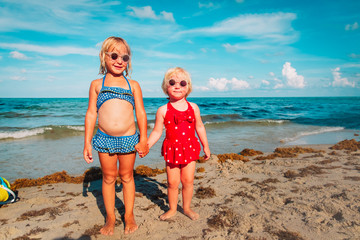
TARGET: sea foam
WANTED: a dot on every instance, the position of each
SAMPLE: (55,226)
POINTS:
(24,133)
(314,132)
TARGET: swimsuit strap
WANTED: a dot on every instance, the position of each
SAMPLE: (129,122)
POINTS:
(103,82)
(128,83)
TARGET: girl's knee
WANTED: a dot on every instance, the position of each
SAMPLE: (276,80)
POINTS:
(125,180)
(188,182)
(109,179)
(126,177)
(172,184)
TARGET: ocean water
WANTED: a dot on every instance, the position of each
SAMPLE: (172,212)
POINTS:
(40,136)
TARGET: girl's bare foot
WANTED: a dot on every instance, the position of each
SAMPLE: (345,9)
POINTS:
(191,214)
(168,215)
(130,224)
(108,228)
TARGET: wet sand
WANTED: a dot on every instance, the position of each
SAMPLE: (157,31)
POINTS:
(297,193)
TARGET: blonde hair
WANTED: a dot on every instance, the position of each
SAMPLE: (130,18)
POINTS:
(167,77)
(107,44)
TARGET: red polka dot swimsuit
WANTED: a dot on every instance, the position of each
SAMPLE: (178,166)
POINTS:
(180,145)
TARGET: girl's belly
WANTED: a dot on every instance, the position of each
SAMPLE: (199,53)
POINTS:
(116,118)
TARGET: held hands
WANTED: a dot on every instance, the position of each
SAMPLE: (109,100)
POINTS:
(87,154)
(142,148)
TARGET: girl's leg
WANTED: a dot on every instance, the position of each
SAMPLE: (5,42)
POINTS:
(126,172)
(173,178)
(109,171)
(187,181)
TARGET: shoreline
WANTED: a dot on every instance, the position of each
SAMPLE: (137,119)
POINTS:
(299,194)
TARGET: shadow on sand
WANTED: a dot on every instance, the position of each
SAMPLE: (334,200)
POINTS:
(144,187)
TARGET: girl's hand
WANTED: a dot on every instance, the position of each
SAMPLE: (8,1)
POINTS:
(207,153)
(142,148)
(87,154)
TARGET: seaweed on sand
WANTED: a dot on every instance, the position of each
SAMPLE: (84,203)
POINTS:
(52,211)
(351,145)
(90,174)
(287,235)
(32,232)
(232,156)
(288,153)
(303,172)
(224,218)
(147,171)
(250,152)
(244,195)
(93,231)
(205,192)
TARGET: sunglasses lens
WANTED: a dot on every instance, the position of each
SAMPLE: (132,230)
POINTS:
(172,82)
(126,58)
(114,56)
(183,83)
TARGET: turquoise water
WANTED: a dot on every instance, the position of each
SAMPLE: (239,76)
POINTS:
(43,136)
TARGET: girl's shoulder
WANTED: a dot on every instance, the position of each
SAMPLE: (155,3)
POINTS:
(162,110)
(193,105)
(134,84)
(96,84)
(97,81)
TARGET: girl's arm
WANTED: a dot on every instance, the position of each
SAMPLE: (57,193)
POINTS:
(141,119)
(158,128)
(90,121)
(201,131)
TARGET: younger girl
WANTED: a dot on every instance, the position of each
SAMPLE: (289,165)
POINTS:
(180,148)
(112,99)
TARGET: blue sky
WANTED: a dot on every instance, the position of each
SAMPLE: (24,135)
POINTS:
(245,48)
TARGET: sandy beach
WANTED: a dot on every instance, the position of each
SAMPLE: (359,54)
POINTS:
(307,192)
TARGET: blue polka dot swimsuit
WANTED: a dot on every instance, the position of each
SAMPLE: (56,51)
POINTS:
(103,142)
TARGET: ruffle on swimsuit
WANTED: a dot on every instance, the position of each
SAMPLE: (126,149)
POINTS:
(105,143)
(180,145)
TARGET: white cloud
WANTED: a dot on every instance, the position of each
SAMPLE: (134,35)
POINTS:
(339,81)
(279,85)
(206,5)
(264,82)
(275,26)
(247,46)
(223,84)
(18,55)
(18,78)
(51,78)
(239,84)
(293,79)
(143,12)
(58,17)
(53,51)
(152,53)
(272,74)
(354,26)
(219,84)
(230,48)
(148,12)
(168,16)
